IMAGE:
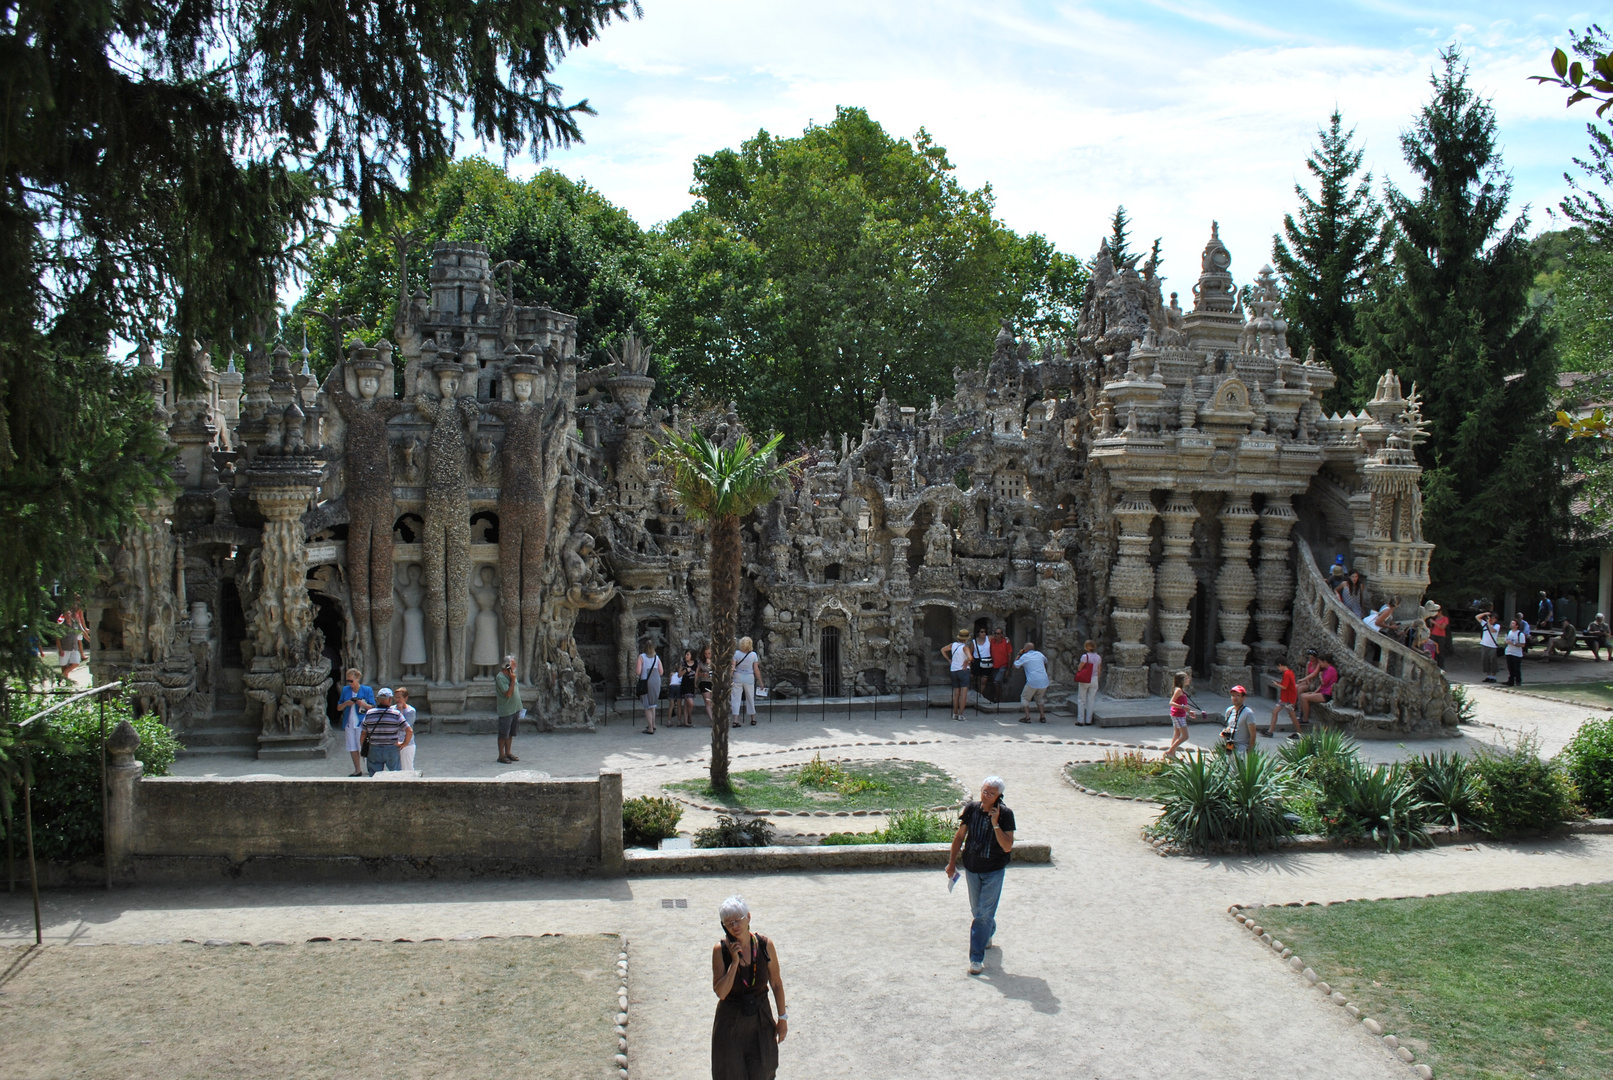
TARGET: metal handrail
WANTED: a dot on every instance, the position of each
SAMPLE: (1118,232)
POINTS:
(68,701)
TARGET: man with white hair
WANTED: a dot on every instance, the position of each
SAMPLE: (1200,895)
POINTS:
(383,731)
(986,838)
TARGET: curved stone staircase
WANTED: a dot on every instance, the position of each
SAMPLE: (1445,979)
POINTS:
(1385,690)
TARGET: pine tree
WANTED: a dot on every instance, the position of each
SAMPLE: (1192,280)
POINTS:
(1331,257)
(1120,237)
(1455,320)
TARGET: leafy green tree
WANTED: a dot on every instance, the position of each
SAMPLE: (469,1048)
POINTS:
(720,485)
(1455,320)
(1332,255)
(164,165)
(576,252)
(818,273)
(1591,77)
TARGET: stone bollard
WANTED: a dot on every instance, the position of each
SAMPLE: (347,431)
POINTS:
(122,782)
(612,863)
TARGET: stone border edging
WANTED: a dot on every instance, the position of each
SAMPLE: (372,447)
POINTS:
(621,1014)
(1441,835)
(1296,965)
(835,857)
(1064,772)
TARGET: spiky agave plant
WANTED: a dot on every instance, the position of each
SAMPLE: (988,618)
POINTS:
(1196,811)
(1449,786)
(1382,802)
(721,485)
(1256,784)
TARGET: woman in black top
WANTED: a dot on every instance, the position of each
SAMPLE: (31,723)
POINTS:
(688,669)
(744,1034)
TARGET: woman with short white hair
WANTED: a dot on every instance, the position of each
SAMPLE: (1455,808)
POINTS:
(744,965)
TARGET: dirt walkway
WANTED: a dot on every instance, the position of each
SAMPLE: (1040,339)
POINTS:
(1115,962)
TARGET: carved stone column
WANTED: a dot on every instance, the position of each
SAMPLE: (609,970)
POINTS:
(1275,584)
(1176,584)
(282,616)
(1235,588)
(1131,583)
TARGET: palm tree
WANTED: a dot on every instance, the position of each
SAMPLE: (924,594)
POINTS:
(721,486)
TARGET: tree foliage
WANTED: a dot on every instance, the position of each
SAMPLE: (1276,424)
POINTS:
(1332,256)
(576,252)
(1454,319)
(818,273)
(164,165)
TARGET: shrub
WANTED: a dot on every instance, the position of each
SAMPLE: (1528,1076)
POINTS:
(1465,705)
(67,781)
(1255,788)
(1196,813)
(647,820)
(1521,792)
(1381,802)
(1450,790)
(1588,759)
(732,832)
(1320,750)
(824,775)
(906,827)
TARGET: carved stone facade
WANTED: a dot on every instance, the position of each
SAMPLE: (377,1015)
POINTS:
(1144,486)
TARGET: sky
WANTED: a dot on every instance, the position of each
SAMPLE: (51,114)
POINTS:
(1182,110)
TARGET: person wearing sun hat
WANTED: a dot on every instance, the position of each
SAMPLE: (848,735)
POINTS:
(1241,729)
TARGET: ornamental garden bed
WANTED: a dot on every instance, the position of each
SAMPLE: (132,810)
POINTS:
(1480,985)
(831,787)
(1126,776)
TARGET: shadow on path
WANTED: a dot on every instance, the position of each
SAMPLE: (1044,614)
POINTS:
(1030,989)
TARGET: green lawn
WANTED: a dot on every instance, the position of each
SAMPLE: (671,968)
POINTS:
(854,785)
(1116,781)
(1598,694)
(1479,985)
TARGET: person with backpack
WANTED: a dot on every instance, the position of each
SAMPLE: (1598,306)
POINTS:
(648,672)
(981,662)
(1087,671)
(956,654)
(1241,729)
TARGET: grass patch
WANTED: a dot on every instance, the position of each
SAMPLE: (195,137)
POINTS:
(907,827)
(832,785)
(516,1007)
(1480,985)
(1121,774)
(1597,694)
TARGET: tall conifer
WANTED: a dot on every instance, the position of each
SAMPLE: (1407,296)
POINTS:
(1455,320)
(1332,256)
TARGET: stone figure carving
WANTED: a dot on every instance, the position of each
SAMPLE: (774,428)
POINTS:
(485,652)
(446,544)
(370,506)
(586,588)
(523,508)
(412,656)
(938,544)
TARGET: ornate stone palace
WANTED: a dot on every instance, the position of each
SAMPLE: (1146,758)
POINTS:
(1159,485)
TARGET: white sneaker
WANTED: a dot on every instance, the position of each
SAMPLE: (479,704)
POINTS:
(975,967)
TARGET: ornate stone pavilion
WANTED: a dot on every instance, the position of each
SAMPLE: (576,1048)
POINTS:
(1165,485)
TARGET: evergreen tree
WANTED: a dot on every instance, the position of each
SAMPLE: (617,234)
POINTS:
(1119,241)
(1455,320)
(1332,256)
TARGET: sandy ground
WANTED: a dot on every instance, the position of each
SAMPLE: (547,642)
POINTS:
(1114,961)
(506,1008)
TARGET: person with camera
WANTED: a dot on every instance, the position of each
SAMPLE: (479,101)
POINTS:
(744,966)
(1241,729)
(986,838)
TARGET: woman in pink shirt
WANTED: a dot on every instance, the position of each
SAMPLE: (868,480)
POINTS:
(1320,680)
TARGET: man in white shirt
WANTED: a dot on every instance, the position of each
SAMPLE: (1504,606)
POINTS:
(1034,664)
(1490,639)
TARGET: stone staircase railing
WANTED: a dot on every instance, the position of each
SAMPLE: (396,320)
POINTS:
(1385,690)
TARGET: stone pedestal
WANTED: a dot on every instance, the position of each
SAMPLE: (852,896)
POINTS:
(1235,589)
(1176,584)
(1131,583)
(123,772)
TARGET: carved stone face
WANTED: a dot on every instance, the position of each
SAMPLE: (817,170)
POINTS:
(522,386)
(448,384)
(368,386)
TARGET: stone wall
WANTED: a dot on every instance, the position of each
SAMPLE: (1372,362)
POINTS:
(197,829)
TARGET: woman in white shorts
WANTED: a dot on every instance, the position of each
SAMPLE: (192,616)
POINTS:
(400,701)
(747,677)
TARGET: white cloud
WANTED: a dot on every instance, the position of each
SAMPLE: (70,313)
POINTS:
(1183,110)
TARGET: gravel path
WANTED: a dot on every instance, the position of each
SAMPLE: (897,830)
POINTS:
(1114,961)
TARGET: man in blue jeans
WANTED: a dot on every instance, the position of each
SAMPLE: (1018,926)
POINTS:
(986,838)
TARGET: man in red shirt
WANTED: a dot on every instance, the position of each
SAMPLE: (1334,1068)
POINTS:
(1002,658)
(1287,698)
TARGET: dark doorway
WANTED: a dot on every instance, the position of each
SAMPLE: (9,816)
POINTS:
(829,657)
(232,624)
(328,621)
(1200,637)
